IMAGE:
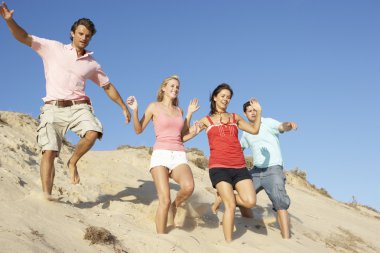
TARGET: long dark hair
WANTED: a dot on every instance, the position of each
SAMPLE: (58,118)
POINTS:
(215,93)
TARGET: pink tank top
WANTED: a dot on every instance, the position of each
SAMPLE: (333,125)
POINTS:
(168,130)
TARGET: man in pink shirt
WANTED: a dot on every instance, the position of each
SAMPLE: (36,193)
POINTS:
(67,67)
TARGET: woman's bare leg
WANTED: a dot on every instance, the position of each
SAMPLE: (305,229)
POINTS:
(160,176)
(227,195)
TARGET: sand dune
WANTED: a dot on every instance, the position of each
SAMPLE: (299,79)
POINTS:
(117,193)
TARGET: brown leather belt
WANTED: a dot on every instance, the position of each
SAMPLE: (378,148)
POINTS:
(67,103)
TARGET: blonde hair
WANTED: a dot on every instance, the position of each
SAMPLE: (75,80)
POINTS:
(160,93)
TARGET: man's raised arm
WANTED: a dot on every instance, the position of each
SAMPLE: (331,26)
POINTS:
(17,31)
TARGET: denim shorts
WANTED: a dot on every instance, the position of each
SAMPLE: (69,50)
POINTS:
(272,180)
(229,175)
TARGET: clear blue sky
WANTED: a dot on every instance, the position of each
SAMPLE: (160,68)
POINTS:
(313,62)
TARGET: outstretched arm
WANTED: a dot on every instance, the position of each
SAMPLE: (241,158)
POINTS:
(193,107)
(139,125)
(17,31)
(287,126)
(115,96)
(194,130)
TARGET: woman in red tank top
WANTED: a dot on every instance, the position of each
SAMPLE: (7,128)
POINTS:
(227,167)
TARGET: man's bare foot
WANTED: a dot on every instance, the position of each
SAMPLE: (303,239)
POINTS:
(73,172)
(246,212)
(217,203)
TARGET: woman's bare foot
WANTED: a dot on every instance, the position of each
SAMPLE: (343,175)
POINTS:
(217,203)
(171,214)
(180,216)
(73,172)
(49,197)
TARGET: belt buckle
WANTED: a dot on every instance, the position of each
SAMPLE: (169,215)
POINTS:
(60,103)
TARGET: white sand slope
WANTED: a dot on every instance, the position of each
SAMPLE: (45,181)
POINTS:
(117,193)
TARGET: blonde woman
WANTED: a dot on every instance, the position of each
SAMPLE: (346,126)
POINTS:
(168,157)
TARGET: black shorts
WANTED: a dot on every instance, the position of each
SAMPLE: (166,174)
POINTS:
(229,175)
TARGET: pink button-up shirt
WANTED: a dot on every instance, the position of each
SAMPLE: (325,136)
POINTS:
(65,72)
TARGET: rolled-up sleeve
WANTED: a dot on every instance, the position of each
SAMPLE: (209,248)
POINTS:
(99,77)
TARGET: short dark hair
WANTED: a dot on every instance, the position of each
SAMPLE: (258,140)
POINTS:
(85,22)
(246,104)
(216,91)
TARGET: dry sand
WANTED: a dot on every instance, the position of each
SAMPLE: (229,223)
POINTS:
(116,194)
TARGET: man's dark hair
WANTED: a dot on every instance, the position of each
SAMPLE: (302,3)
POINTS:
(85,22)
(246,104)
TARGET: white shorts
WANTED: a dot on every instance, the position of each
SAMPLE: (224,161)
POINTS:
(167,158)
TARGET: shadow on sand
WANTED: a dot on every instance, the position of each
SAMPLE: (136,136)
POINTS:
(145,194)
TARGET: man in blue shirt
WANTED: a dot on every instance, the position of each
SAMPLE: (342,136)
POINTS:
(267,172)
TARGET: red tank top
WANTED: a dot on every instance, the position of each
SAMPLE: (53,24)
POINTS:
(225,148)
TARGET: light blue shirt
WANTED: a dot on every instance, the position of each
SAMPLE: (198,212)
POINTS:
(265,146)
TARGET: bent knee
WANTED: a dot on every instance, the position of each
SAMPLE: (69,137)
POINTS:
(282,204)
(92,135)
(280,198)
(251,202)
(49,154)
(188,188)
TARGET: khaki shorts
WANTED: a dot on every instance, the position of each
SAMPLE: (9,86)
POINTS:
(167,158)
(55,121)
